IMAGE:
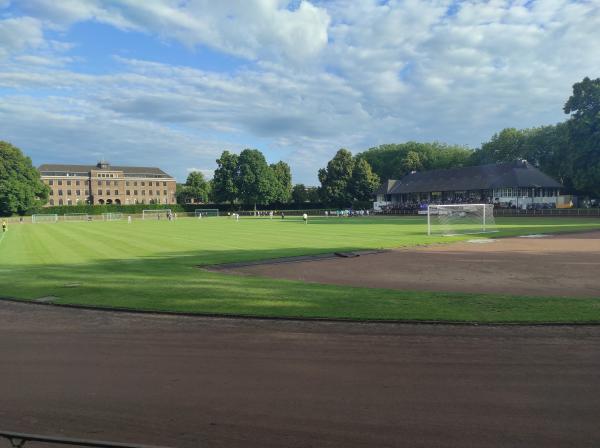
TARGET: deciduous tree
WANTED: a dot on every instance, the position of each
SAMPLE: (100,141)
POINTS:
(21,189)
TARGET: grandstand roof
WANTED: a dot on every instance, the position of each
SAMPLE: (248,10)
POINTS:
(49,168)
(483,177)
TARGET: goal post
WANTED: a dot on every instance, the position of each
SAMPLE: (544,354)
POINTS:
(156,214)
(458,219)
(39,218)
(71,217)
(112,216)
(206,212)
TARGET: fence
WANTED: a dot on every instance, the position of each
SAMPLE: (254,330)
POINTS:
(18,440)
(583,212)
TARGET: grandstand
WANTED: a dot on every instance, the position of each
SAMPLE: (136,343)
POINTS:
(513,184)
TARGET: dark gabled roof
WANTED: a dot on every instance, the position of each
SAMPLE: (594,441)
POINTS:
(141,170)
(386,187)
(482,177)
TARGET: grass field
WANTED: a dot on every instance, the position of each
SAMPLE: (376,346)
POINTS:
(152,265)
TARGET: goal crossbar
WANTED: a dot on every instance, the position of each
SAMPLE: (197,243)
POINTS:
(48,217)
(156,213)
(456,219)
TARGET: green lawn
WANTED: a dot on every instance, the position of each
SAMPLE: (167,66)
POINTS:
(151,265)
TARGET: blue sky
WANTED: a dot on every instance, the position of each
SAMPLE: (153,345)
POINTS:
(172,84)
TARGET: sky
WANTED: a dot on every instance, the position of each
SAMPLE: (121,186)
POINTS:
(173,83)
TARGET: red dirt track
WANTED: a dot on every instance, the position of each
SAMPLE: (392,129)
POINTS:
(555,265)
(193,382)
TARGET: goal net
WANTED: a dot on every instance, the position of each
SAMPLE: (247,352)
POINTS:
(156,214)
(44,218)
(460,219)
(70,217)
(206,212)
(112,216)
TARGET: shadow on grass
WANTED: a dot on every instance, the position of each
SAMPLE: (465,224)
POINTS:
(173,283)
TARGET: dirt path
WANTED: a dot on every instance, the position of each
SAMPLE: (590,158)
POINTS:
(193,382)
(557,265)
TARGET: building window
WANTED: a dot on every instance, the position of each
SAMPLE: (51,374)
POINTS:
(68,192)
(143,192)
(51,192)
(116,192)
(115,183)
(135,192)
(135,184)
(78,192)
(69,202)
(68,182)
(165,192)
(128,192)
(60,202)
(99,182)
(60,182)
(157,193)
(99,192)
(77,182)
(127,183)
(150,192)
(164,184)
(143,184)
(60,192)
(51,201)
(50,182)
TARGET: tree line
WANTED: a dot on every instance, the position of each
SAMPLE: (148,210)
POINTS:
(568,151)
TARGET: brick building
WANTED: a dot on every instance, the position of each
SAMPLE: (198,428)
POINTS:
(105,184)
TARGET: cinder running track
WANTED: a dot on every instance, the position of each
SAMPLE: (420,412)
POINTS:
(192,382)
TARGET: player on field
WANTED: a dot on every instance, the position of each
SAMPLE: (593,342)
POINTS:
(4,226)
(305,218)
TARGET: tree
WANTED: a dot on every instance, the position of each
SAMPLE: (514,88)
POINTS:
(21,188)
(335,179)
(255,181)
(393,161)
(584,134)
(363,182)
(196,189)
(283,182)
(299,194)
(412,162)
(224,180)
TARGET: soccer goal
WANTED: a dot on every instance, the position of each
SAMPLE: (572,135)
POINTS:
(44,218)
(70,217)
(457,219)
(206,212)
(112,216)
(156,214)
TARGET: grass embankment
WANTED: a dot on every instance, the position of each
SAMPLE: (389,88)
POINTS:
(150,265)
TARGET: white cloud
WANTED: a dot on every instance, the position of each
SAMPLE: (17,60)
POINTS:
(19,34)
(327,74)
(247,28)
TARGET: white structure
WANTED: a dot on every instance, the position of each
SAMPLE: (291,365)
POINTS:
(44,218)
(460,219)
(206,212)
(112,216)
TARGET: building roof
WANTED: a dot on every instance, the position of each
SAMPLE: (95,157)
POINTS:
(511,174)
(132,170)
(386,186)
